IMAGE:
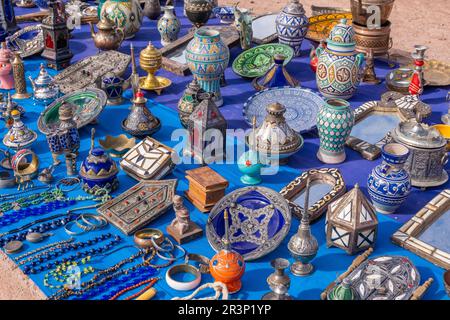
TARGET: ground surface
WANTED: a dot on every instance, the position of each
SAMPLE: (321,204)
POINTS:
(413,21)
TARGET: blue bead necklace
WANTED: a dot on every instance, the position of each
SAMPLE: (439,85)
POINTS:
(38,267)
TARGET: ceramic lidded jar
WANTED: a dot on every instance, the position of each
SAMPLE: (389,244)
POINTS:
(292,25)
(189,101)
(207,57)
(334,122)
(168,26)
(389,184)
(19,135)
(274,139)
(428,154)
(338,67)
(126,14)
(98,170)
(198,11)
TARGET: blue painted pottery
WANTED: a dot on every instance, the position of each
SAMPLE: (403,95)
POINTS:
(113,87)
(42,4)
(277,76)
(292,26)
(389,184)
(225,14)
(98,171)
(259,220)
(338,67)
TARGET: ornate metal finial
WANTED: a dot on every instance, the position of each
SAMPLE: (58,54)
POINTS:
(226,238)
(92,140)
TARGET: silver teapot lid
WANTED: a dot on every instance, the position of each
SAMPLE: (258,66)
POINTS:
(420,135)
(43,78)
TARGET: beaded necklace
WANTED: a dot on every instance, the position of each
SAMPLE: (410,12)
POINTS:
(36,267)
(48,246)
(90,288)
(60,273)
(150,282)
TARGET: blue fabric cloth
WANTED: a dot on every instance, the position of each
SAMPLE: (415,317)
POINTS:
(329,263)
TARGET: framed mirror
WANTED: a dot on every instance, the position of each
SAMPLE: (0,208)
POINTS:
(264,29)
(426,234)
(173,58)
(374,121)
(326,185)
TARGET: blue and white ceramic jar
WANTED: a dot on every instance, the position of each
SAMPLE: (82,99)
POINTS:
(389,184)
(338,68)
(98,171)
(168,26)
(113,87)
(292,25)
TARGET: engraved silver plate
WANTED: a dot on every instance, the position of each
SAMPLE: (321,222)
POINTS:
(260,219)
(89,71)
(27,41)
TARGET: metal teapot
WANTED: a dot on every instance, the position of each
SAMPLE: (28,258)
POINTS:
(108,36)
(44,88)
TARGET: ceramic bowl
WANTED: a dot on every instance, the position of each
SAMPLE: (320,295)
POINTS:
(444,130)
(117,146)
(225,14)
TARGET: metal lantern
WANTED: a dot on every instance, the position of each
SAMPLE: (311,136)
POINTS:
(352,222)
(56,37)
(207,133)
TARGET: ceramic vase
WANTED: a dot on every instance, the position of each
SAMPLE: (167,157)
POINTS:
(292,26)
(334,122)
(338,67)
(126,14)
(168,26)
(389,184)
(207,57)
(250,166)
(152,9)
(243,22)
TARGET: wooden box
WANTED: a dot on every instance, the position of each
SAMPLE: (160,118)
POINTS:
(206,187)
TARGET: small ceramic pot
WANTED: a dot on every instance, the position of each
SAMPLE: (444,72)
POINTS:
(334,122)
(113,87)
(389,184)
(168,26)
(225,14)
(198,11)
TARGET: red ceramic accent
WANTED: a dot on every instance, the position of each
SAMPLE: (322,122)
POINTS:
(228,267)
(415,86)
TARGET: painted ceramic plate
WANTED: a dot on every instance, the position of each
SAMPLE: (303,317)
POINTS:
(255,62)
(321,25)
(89,103)
(302,106)
(259,219)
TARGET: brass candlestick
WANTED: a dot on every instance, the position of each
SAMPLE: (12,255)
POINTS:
(303,245)
(151,61)
(19,78)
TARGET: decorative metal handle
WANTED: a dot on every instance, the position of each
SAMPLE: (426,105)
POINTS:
(444,159)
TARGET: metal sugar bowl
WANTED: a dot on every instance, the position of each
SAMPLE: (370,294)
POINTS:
(44,88)
(428,154)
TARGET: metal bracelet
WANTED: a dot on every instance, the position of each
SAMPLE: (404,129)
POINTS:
(6,180)
(172,258)
(70,232)
(158,248)
(181,285)
(202,261)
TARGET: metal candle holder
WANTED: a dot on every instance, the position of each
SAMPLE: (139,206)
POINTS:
(303,245)
(419,60)
(279,282)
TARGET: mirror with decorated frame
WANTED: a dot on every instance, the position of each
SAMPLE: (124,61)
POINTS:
(426,234)
(264,28)
(326,185)
(374,121)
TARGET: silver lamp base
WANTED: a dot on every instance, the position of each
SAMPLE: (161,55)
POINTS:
(301,269)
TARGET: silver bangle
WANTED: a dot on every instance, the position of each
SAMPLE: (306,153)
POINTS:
(181,285)
(173,258)
(158,248)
